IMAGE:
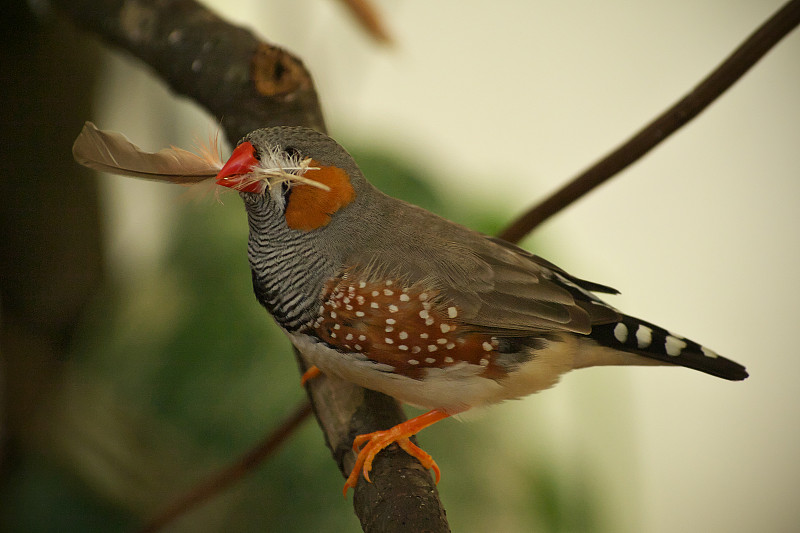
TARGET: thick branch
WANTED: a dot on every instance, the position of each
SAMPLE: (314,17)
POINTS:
(245,83)
(402,495)
(716,83)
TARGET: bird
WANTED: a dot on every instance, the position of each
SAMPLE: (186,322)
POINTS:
(394,298)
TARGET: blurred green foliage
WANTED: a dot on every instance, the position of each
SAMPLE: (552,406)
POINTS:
(178,372)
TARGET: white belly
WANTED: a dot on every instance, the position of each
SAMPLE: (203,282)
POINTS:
(454,388)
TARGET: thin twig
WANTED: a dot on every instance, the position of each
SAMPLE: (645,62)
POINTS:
(232,473)
(368,17)
(716,83)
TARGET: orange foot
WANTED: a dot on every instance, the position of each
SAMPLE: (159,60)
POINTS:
(310,374)
(378,440)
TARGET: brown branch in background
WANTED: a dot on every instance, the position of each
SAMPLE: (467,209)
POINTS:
(716,83)
(215,484)
(248,84)
(366,15)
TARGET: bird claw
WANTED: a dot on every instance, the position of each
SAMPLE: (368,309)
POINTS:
(376,441)
(309,374)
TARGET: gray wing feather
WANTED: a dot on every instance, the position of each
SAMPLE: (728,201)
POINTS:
(496,285)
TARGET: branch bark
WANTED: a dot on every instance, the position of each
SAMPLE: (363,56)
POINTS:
(249,84)
(402,496)
(244,82)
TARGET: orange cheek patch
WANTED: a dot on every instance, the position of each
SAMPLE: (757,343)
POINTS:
(310,207)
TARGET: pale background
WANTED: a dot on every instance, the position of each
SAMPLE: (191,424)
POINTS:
(502,102)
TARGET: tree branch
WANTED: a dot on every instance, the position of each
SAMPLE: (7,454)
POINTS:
(402,496)
(244,82)
(716,83)
(369,19)
(215,484)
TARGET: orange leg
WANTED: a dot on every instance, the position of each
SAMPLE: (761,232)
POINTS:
(378,440)
(310,374)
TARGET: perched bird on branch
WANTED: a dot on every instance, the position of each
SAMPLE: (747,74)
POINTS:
(396,299)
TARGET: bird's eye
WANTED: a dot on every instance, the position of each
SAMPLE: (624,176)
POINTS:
(291,151)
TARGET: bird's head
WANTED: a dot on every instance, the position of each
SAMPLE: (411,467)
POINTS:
(301,173)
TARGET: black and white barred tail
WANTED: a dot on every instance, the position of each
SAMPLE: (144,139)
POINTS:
(643,338)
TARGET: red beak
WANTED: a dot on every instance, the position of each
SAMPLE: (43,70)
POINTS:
(241,163)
